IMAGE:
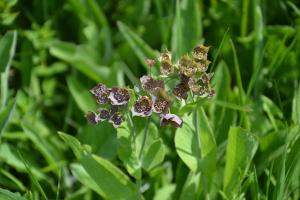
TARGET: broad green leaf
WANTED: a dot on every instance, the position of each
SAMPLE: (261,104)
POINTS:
(207,163)
(187,24)
(191,187)
(139,47)
(5,115)
(112,181)
(128,151)
(241,148)
(154,155)
(73,143)
(86,179)
(81,95)
(101,137)
(197,155)
(186,144)
(165,192)
(8,195)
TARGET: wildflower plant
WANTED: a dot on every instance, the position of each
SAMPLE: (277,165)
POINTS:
(154,95)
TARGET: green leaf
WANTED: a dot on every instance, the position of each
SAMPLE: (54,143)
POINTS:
(112,181)
(241,148)
(33,178)
(154,155)
(191,186)
(5,115)
(73,143)
(42,144)
(139,47)
(81,95)
(7,50)
(101,137)
(81,57)
(296,107)
(187,24)
(86,179)
(272,110)
(128,151)
(165,192)
(186,145)
(7,195)
(197,156)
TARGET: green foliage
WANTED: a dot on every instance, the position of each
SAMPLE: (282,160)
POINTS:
(242,144)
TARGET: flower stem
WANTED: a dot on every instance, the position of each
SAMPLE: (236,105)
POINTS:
(197,128)
(197,131)
(144,137)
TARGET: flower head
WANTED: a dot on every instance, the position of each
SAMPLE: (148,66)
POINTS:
(150,85)
(149,62)
(119,95)
(92,117)
(200,52)
(171,119)
(161,102)
(104,114)
(165,56)
(186,66)
(166,67)
(101,93)
(181,91)
(116,119)
(142,107)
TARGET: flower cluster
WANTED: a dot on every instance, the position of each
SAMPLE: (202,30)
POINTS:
(116,98)
(190,70)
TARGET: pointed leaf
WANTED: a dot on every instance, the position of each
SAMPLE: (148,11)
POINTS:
(241,148)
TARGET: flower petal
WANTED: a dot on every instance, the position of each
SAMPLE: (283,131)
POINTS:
(181,91)
(116,119)
(151,85)
(166,68)
(171,119)
(119,96)
(101,93)
(104,114)
(200,52)
(92,117)
(142,107)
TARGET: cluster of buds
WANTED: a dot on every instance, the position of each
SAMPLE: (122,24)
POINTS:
(191,73)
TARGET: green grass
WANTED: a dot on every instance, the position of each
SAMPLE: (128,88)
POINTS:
(243,144)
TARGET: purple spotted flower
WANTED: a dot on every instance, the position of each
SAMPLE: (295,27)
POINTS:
(150,84)
(104,114)
(119,95)
(171,119)
(116,119)
(181,91)
(101,93)
(142,107)
(92,117)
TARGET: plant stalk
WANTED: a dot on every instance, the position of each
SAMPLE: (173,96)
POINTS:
(144,137)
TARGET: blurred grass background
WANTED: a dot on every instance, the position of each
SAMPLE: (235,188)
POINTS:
(53,52)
